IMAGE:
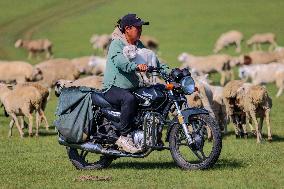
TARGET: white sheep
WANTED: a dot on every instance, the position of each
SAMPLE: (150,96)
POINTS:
(229,38)
(21,101)
(244,103)
(257,39)
(208,64)
(35,46)
(19,72)
(279,82)
(90,81)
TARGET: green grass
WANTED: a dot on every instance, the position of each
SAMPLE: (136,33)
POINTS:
(184,25)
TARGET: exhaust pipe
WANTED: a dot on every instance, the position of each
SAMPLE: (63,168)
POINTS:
(98,149)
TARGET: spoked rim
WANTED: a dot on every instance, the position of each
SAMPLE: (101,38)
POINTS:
(202,147)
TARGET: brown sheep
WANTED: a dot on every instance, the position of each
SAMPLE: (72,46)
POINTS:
(244,103)
(35,46)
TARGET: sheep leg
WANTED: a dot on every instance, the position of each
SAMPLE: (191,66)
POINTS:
(22,122)
(30,55)
(37,122)
(30,124)
(42,115)
(267,119)
(279,92)
(223,77)
(14,117)
(254,47)
(258,133)
(11,127)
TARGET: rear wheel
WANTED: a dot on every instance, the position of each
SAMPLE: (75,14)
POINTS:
(205,150)
(80,160)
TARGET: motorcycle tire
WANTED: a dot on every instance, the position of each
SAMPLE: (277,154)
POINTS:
(81,163)
(206,125)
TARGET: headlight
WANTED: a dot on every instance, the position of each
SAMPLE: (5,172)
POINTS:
(187,85)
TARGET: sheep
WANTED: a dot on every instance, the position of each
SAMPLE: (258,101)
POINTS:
(260,74)
(56,69)
(207,64)
(21,101)
(150,42)
(90,81)
(35,46)
(259,38)
(101,42)
(228,38)
(244,103)
(98,65)
(19,72)
(44,94)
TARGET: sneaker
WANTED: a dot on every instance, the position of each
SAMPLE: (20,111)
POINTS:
(126,143)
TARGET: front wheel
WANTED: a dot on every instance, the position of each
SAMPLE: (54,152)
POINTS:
(206,147)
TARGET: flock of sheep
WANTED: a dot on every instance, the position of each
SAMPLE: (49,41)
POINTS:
(238,101)
(25,88)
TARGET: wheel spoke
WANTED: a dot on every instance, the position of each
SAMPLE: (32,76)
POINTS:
(200,156)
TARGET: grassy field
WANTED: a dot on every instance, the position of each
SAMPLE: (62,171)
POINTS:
(185,25)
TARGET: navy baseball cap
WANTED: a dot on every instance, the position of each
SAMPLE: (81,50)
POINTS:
(131,20)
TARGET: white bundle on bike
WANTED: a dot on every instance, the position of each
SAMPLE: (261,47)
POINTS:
(142,56)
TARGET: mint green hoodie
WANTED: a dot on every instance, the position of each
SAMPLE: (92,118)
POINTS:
(120,71)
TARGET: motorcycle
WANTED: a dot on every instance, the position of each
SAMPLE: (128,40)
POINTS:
(193,137)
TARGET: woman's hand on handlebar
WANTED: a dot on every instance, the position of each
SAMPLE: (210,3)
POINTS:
(142,67)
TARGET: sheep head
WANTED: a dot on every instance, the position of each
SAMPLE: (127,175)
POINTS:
(19,43)
(59,85)
(36,75)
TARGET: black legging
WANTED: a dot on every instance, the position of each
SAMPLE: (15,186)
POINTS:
(128,104)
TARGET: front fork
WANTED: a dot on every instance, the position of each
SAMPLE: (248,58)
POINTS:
(182,122)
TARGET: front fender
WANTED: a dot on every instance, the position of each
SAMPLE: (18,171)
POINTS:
(193,111)
(186,113)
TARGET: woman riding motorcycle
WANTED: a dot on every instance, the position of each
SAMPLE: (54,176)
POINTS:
(120,77)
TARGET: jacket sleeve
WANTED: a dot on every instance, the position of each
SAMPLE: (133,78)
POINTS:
(120,61)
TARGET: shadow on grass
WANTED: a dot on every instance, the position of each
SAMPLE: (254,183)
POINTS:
(221,164)
(143,165)
(229,164)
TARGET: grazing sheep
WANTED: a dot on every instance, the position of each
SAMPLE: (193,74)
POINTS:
(208,64)
(35,46)
(19,72)
(21,101)
(101,42)
(90,81)
(98,65)
(44,94)
(244,103)
(257,39)
(56,69)
(150,42)
(228,38)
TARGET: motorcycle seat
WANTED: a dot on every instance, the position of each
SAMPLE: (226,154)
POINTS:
(99,100)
